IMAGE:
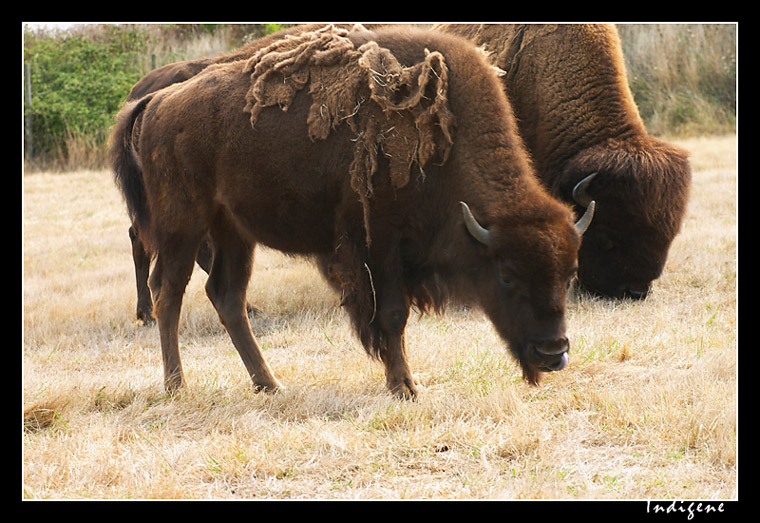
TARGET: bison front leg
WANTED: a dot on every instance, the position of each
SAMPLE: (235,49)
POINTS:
(392,314)
(398,373)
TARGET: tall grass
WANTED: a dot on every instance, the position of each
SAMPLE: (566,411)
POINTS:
(683,76)
(647,408)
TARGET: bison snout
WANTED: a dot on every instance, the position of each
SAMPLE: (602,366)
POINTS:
(551,355)
(636,293)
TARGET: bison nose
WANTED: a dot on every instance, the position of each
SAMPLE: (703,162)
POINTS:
(552,354)
(552,347)
(636,293)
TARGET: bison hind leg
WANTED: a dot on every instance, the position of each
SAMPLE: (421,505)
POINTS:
(205,260)
(226,288)
(174,266)
(142,269)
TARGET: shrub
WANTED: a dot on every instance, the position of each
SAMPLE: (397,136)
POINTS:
(77,84)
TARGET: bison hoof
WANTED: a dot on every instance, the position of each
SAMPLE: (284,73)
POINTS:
(146,318)
(269,387)
(407,389)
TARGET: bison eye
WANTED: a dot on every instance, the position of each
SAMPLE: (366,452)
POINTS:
(604,242)
(507,278)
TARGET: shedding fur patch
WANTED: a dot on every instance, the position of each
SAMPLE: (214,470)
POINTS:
(399,111)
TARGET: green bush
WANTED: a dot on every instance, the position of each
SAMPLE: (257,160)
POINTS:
(78,83)
(80,77)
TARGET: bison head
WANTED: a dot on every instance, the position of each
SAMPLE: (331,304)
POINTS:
(641,187)
(621,254)
(522,279)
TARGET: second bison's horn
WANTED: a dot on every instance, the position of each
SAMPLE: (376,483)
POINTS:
(477,231)
(580,194)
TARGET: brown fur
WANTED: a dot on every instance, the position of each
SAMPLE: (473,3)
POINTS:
(569,91)
(337,74)
(289,181)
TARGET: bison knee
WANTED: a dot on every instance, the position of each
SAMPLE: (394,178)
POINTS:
(393,321)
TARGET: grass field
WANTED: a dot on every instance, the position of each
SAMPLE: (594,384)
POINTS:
(646,409)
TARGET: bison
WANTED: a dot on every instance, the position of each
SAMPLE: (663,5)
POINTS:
(568,88)
(391,158)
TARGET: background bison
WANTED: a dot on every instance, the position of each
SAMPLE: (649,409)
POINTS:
(355,149)
(568,89)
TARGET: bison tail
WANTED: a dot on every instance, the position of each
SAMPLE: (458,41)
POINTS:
(126,164)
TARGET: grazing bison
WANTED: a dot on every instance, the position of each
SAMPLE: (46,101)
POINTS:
(356,149)
(568,89)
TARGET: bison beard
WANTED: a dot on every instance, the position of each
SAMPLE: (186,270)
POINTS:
(298,171)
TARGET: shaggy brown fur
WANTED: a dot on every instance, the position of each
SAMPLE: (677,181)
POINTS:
(190,161)
(568,87)
(338,76)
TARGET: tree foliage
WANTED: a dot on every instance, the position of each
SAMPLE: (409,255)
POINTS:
(78,83)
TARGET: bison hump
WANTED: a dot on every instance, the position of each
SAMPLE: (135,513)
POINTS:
(399,111)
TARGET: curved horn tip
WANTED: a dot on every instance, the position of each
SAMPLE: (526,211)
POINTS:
(476,230)
(580,195)
(582,225)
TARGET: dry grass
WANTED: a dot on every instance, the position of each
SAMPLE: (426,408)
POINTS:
(647,408)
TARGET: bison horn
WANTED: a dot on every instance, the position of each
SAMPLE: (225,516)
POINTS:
(582,224)
(580,195)
(477,231)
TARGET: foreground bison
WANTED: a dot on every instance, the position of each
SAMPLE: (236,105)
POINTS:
(355,149)
(569,92)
